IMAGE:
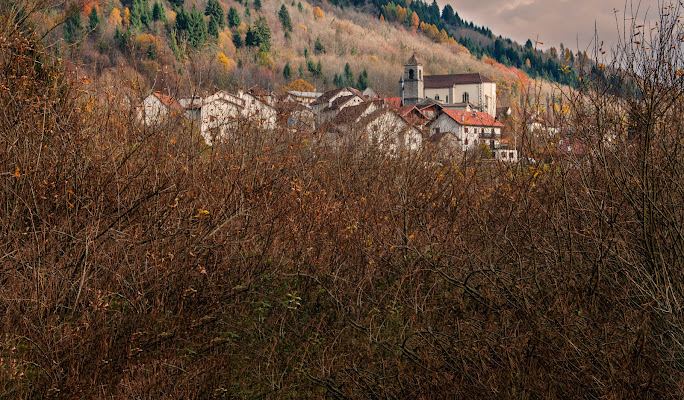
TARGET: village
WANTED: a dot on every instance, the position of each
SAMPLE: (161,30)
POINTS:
(426,112)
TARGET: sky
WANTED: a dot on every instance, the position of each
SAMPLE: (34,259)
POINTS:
(570,22)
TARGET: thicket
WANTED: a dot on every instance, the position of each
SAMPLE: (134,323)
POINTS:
(138,262)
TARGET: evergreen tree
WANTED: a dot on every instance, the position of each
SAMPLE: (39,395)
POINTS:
(182,20)
(287,71)
(285,20)
(259,35)
(93,19)
(348,76)
(215,10)
(338,81)
(257,5)
(213,28)
(362,82)
(300,7)
(528,44)
(177,3)
(141,13)
(237,40)
(233,17)
(319,68)
(301,71)
(158,13)
(318,46)
(197,34)
(73,28)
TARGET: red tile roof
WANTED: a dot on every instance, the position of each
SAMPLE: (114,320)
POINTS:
(168,101)
(473,118)
(443,81)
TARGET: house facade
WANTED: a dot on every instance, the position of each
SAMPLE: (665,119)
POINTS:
(472,88)
(157,107)
(465,128)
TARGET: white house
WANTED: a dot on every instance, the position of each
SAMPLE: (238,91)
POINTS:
(386,128)
(157,107)
(337,105)
(257,111)
(326,102)
(464,128)
(217,115)
(471,88)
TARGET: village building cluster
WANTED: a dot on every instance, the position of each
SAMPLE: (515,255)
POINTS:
(456,112)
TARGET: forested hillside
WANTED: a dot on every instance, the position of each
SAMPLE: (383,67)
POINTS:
(182,46)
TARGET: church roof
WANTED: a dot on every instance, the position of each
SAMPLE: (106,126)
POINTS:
(444,81)
(413,61)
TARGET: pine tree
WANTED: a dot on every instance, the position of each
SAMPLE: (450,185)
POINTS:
(93,19)
(285,20)
(158,13)
(318,46)
(287,71)
(237,40)
(198,29)
(362,82)
(348,76)
(177,3)
(257,5)
(73,28)
(182,20)
(259,35)
(300,7)
(213,28)
(233,17)
(215,10)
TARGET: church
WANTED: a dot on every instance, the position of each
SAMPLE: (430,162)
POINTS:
(453,89)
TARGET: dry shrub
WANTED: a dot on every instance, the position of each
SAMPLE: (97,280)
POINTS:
(142,263)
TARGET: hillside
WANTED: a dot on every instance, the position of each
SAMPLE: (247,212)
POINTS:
(181,47)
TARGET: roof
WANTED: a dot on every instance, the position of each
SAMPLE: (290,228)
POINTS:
(168,101)
(351,114)
(413,60)
(390,101)
(343,99)
(325,97)
(312,95)
(257,90)
(405,111)
(472,118)
(442,81)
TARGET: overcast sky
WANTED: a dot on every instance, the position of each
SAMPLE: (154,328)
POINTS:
(553,21)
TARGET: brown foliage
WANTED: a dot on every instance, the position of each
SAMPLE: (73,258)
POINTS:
(138,262)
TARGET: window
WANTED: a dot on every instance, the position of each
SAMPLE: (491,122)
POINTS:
(411,74)
(510,154)
(465,130)
(436,97)
(437,130)
(447,98)
(420,74)
(466,97)
(466,141)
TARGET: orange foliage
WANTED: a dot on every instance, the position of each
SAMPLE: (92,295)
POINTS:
(299,85)
(318,13)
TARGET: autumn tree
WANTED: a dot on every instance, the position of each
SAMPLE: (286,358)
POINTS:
(318,13)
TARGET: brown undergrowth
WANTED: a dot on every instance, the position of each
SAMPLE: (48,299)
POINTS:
(140,263)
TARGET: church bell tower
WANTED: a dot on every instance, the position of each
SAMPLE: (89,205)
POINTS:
(411,84)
